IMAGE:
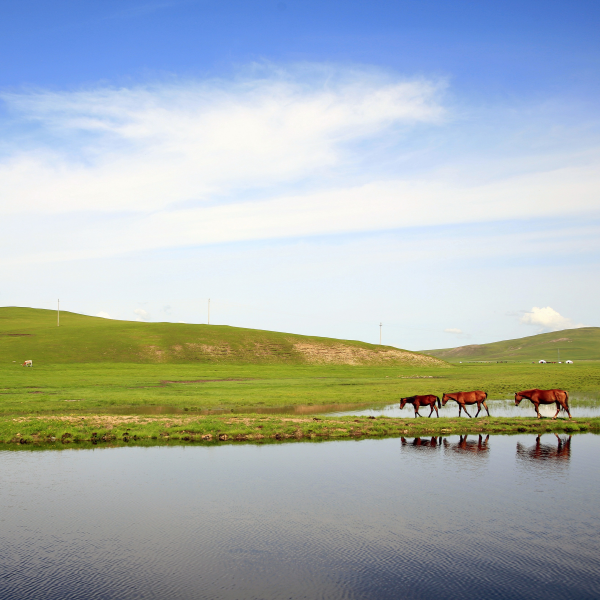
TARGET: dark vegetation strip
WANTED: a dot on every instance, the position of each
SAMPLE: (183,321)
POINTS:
(28,432)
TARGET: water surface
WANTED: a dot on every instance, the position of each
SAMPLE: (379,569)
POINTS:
(459,517)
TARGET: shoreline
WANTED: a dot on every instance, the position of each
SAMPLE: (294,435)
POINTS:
(99,430)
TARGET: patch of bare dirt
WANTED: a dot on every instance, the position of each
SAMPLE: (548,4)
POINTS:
(153,353)
(342,354)
(219,350)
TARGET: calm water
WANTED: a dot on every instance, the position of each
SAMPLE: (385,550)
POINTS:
(454,518)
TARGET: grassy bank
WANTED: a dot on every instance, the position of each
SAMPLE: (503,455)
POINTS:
(65,389)
(113,430)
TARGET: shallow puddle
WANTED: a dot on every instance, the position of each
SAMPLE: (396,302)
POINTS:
(498,408)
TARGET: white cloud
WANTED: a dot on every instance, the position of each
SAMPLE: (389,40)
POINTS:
(142,314)
(103,314)
(148,148)
(453,330)
(547,319)
(277,154)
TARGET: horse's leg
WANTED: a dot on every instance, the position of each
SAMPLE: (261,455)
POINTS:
(431,411)
(566,407)
(416,411)
(436,410)
(557,410)
(459,409)
(478,409)
(465,409)
(537,409)
(486,408)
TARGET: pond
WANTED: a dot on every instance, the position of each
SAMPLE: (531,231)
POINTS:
(498,517)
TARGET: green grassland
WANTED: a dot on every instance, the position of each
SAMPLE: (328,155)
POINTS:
(71,389)
(112,378)
(33,334)
(574,344)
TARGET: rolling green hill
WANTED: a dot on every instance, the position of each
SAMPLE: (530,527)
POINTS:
(32,334)
(574,344)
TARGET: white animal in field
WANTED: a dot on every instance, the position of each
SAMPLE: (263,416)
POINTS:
(28,363)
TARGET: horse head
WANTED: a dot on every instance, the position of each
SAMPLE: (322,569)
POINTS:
(445,399)
(518,398)
(403,402)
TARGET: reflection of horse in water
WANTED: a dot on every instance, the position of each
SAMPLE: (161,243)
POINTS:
(471,446)
(540,451)
(424,444)
(418,401)
(537,397)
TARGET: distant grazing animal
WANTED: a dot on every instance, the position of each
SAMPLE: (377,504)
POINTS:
(463,398)
(418,401)
(28,363)
(537,397)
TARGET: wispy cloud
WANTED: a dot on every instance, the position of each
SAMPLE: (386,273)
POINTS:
(277,153)
(146,149)
(454,330)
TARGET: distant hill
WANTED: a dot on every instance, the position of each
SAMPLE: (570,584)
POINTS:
(32,334)
(574,344)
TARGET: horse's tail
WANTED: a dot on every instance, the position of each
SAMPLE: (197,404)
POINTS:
(562,408)
(439,402)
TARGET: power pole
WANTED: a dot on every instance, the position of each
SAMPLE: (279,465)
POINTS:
(58,314)
(558,350)
(380,324)
(209,311)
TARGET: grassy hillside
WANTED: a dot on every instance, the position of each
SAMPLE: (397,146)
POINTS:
(32,334)
(574,344)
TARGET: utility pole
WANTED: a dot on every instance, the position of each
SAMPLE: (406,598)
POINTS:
(558,350)
(58,314)
(209,311)
(380,324)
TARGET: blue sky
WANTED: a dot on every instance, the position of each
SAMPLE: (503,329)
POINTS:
(314,167)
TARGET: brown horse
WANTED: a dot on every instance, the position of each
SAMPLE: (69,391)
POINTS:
(537,397)
(463,398)
(418,401)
